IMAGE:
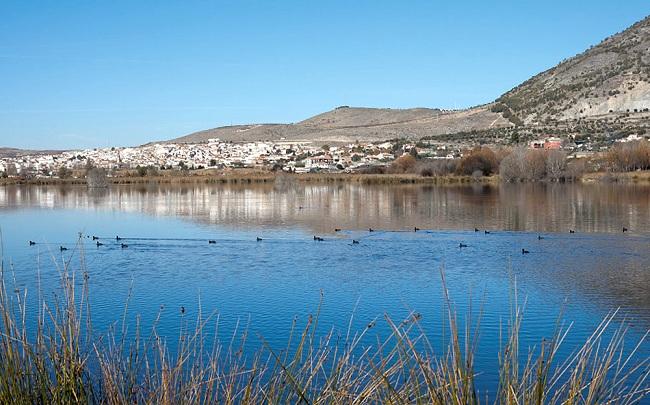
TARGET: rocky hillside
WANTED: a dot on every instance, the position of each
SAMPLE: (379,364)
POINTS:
(612,77)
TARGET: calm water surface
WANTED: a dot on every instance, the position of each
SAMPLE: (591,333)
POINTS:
(393,270)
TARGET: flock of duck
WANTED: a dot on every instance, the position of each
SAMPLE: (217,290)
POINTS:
(461,245)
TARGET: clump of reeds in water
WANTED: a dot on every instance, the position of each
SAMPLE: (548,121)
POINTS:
(63,361)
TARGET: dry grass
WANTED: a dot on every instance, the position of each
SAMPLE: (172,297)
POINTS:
(642,176)
(236,177)
(64,361)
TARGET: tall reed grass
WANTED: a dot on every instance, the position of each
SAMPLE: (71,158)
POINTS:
(64,360)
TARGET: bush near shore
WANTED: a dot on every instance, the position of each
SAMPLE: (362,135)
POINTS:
(523,164)
(65,360)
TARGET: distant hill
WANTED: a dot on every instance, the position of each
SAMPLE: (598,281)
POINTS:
(13,152)
(599,85)
(348,124)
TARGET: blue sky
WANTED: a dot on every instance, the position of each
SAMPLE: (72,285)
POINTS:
(79,74)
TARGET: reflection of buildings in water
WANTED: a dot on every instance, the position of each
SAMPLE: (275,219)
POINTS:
(322,207)
(532,207)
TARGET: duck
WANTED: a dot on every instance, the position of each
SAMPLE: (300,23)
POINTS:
(61,248)
(487,232)
(95,237)
(415,229)
(182,310)
(212,241)
(317,238)
(99,244)
(370,230)
(337,229)
(118,238)
(259,239)
(124,245)
(355,242)
(476,229)
(540,237)
(572,231)
(624,229)
(524,251)
(32,243)
(462,245)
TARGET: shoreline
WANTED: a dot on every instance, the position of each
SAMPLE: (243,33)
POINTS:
(269,177)
(261,178)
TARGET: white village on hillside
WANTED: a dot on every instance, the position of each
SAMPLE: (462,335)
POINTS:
(288,156)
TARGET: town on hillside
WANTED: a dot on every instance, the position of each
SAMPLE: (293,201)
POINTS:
(287,156)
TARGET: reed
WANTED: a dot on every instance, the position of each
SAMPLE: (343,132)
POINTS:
(243,177)
(64,360)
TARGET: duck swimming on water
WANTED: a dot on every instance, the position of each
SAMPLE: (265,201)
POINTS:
(259,239)
(212,241)
(462,245)
(31,243)
(355,242)
(99,244)
(415,229)
(61,248)
(524,251)
(124,245)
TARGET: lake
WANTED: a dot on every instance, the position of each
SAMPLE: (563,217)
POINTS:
(265,285)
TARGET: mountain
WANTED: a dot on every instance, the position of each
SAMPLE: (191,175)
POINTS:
(605,90)
(348,124)
(13,152)
(611,77)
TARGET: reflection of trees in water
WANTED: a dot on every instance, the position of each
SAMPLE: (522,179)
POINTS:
(97,195)
(322,207)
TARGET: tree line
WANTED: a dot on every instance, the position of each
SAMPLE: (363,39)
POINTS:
(512,164)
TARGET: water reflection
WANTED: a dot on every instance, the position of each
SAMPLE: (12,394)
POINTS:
(323,207)
(588,273)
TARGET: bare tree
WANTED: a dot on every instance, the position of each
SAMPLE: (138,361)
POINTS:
(481,158)
(403,164)
(534,165)
(555,164)
(511,167)
(63,172)
(630,156)
(96,178)
(11,170)
(437,167)
(26,172)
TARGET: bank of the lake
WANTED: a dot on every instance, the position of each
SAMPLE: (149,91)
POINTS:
(254,177)
(251,177)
